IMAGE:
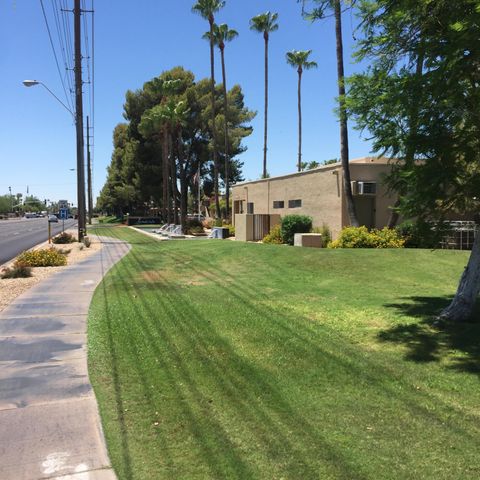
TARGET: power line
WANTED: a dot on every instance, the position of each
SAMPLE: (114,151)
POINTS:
(53,49)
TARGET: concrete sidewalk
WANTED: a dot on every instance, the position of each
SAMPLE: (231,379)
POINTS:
(49,422)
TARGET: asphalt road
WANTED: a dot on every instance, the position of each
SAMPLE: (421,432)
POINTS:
(23,233)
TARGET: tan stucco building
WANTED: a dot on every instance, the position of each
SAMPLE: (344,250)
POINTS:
(319,194)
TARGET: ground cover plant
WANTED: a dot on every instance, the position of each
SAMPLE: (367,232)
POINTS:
(45,257)
(217,359)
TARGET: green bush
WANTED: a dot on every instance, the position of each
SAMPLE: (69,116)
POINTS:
(274,236)
(324,231)
(361,237)
(292,224)
(193,226)
(63,238)
(421,234)
(47,257)
(17,270)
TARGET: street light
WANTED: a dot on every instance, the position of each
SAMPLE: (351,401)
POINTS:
(77,118)
(32,83)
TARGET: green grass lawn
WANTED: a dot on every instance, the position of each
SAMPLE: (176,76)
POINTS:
(226,360)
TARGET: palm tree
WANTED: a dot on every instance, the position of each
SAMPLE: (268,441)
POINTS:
(207,9)
(221,35)
(265,23)
(318,13)
(299,59)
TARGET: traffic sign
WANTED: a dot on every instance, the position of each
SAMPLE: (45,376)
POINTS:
(63,213)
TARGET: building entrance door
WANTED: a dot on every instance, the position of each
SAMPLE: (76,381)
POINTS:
(365,207)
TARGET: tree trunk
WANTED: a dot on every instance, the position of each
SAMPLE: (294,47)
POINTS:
(265,120)
(173,180)
(214,137)
(165,213)
(299,163)
(462,306)
(347,185)
(183,182)
(227,158)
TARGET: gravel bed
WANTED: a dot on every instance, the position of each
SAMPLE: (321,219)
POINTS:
(10,288)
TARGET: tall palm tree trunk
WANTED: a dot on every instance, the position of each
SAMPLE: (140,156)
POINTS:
(227,157)
(265,115)
(173,180)
(165,212)
(299,163)
(214,137)
(347,186)
(183,181)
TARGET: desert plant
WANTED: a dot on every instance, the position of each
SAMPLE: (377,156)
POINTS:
(274,236)
(325,232)
(292,224)
(17,270)
(87,242)
(193,226)
(63,238)
(47,257)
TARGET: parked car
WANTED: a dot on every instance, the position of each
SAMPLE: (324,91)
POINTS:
(53,219)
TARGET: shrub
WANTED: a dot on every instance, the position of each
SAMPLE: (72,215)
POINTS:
(63,238)
(218,222)
(274,236)
(17,270)
(421,234)
(361,237)
(292,224)
(324,230)
(47,257)
(193,226)
(207,223)
(87,242)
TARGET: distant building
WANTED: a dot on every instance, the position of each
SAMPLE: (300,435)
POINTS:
(319,194)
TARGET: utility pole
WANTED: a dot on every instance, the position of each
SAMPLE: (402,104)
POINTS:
(79,121)
(89,176)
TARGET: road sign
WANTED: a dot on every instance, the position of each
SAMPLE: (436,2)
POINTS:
(64,213)
(63,204)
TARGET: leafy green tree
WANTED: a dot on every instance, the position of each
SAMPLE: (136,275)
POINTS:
(5,204)
(419,100)
(175,101)
(265,23)
(207,9)
(320,11)
(221,35)
(299,60)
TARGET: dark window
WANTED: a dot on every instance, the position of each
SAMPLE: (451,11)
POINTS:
(294,203)
(278,204)
(250,207)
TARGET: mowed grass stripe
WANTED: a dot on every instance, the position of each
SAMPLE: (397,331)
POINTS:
(216,359)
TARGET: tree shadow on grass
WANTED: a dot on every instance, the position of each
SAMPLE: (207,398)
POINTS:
(429,340)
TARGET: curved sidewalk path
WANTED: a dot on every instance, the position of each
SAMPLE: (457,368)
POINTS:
(49,421)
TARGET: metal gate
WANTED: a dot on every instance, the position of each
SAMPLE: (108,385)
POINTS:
(261,226)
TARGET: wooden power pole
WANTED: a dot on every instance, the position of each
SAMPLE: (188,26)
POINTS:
(79,121)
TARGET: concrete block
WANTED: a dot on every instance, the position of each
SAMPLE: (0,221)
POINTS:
(308,240)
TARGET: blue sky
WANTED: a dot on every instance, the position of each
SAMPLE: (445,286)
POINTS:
(136,41)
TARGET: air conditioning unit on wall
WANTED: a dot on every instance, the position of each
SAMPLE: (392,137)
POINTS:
(364,188)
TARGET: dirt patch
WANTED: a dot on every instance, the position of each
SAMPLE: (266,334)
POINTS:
(173,278)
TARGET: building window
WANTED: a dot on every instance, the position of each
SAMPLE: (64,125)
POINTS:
(278,204)
(250,207)
(294,203)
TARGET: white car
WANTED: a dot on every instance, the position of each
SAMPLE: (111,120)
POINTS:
(53,219)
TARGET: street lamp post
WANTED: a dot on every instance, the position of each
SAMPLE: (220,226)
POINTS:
(77,117)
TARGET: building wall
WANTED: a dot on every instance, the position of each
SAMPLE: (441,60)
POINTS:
(321,194)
